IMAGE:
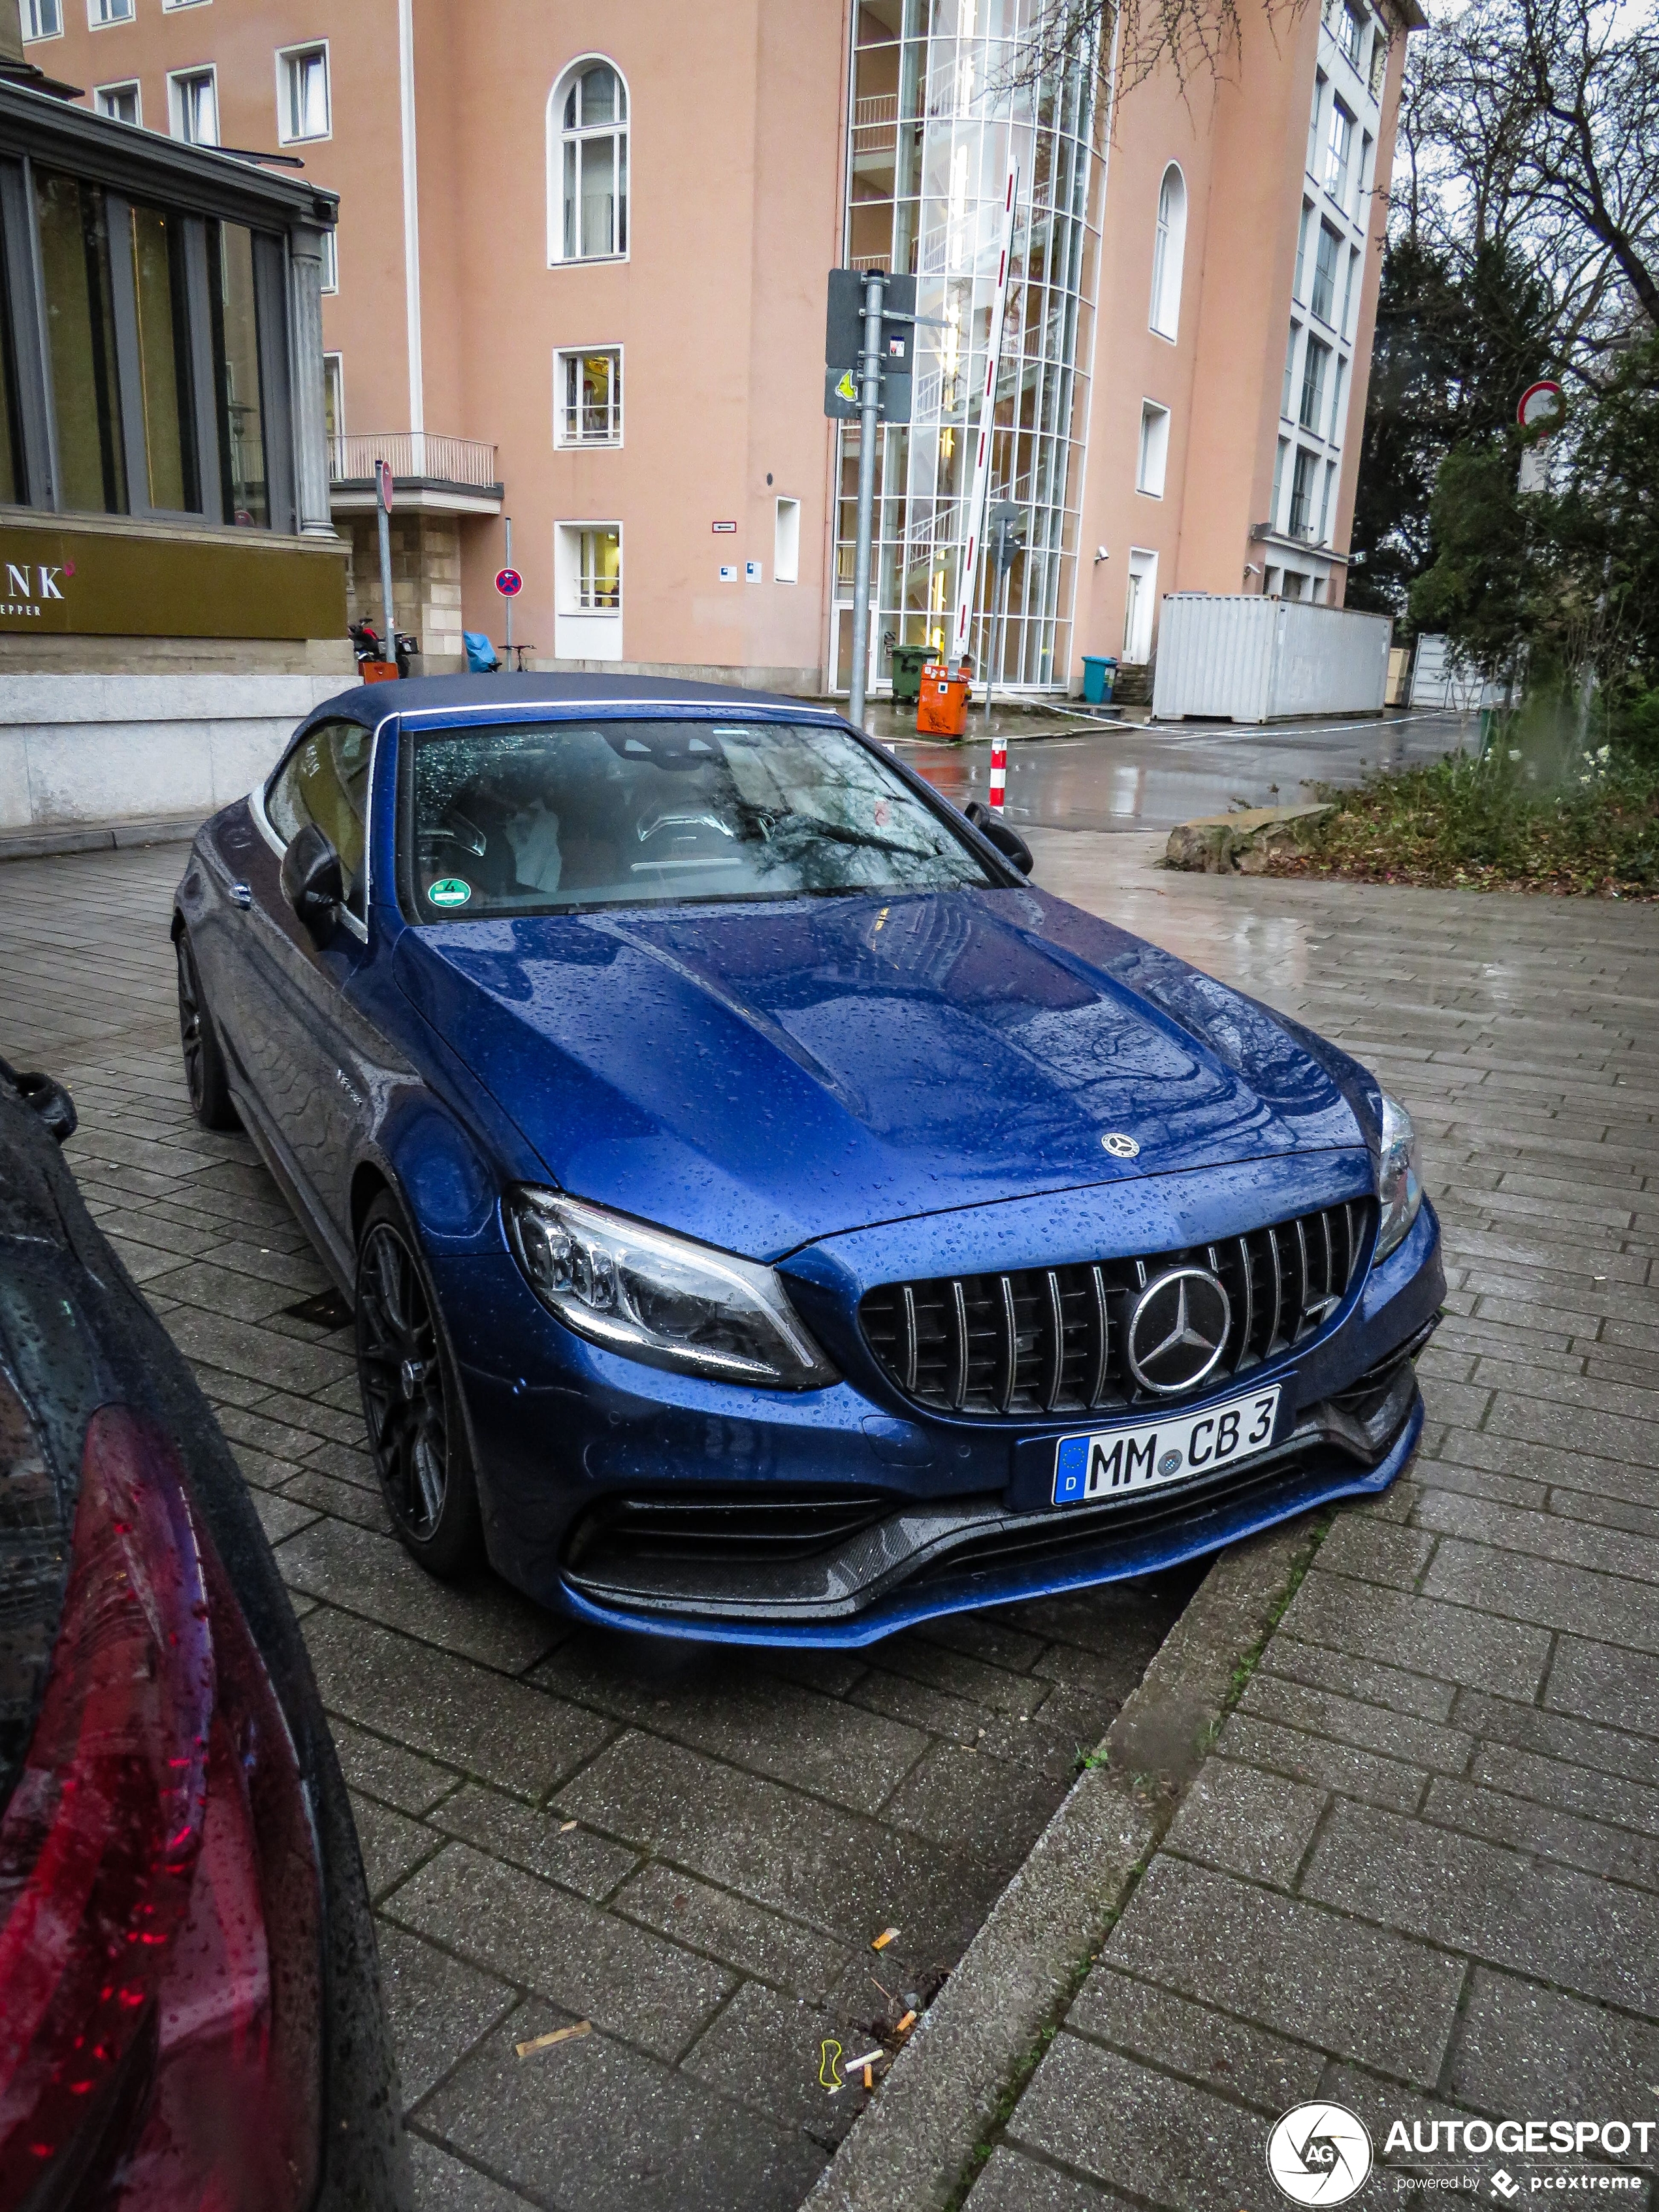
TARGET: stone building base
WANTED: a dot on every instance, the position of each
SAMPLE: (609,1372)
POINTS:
(426,580)
(110,748)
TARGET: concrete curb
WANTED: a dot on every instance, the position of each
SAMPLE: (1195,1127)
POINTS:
(98,837)
(912,2145)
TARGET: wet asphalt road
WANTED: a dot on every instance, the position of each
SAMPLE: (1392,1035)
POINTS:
(1150,777)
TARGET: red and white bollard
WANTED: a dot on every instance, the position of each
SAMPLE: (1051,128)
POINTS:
(999,770)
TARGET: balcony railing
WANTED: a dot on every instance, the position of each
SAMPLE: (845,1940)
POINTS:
(415,456)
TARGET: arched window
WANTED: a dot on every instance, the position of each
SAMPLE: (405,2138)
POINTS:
(588,164)
(1169,249)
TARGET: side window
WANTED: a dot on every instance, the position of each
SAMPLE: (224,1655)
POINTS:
(324,780)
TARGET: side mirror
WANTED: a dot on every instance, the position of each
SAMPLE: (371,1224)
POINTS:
(313,884)
(48,1098)
(995,831)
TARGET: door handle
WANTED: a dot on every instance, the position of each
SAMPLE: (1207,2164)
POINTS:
(240,895)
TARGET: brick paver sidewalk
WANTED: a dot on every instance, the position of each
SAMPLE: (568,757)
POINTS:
(1420,1875)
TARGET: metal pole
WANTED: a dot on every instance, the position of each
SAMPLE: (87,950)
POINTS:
(998,619)
(875,285)
(509,603)
(389,643)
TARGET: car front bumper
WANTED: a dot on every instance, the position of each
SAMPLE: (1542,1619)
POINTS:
(638,1498)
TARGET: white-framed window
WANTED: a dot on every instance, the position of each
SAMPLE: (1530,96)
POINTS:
(1337,397)
(1169,251)
(594,580)
(588,396)
(1152,458)
(193,106)
(1315,363)
(122,103)
(1302,249)
(102,13)
(334,397)
(1351,35)
(1303,476)
(1290,371)
(330,260)
(171,7)
(1278,486)
(302,108)
(785,542)
(1324,500)
(42,19)
(588,164)
(1339,147)
(1320,82)
(1350,292)
(1324,279)
(588,591)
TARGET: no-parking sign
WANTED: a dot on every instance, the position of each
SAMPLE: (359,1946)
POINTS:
(508,582)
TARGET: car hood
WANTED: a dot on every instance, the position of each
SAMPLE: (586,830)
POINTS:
(764,1075)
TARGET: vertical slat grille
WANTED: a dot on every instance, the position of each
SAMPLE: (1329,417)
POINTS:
(1044,1340)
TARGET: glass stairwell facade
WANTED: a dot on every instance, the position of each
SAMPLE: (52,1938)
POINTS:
(937,108)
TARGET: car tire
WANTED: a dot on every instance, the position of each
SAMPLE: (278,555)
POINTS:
(417,1434)
(205,1076)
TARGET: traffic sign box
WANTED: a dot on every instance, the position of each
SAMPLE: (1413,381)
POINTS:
(843,346)
(508,582)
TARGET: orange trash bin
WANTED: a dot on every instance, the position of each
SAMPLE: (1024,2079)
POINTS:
(943,709)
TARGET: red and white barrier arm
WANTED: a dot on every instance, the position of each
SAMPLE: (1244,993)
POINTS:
(968,573)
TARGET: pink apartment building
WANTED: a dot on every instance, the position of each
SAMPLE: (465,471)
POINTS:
(579,283)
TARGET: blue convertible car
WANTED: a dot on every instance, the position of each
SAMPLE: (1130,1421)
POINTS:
(767,1215)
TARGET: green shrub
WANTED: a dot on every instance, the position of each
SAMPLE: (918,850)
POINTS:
(1501,821)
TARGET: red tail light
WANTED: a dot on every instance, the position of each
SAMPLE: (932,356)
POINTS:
(159,1918)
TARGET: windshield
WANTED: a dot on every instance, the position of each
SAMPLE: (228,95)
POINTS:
(516,819)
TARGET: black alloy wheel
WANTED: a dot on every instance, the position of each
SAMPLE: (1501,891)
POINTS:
(416,1431)
(205,1060)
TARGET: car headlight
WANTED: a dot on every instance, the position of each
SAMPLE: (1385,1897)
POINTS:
(1398,1187)
(660,1299)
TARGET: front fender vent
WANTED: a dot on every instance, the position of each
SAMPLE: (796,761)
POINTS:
(1051,1340)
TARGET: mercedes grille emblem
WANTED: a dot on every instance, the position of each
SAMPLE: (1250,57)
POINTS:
(1178,1329)
(1120,1147)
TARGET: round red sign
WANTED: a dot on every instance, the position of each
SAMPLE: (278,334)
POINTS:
(508,582)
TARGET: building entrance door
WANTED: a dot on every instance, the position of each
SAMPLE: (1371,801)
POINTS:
(1139,610)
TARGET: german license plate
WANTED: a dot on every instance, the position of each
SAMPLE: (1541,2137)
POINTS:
(1111,1462)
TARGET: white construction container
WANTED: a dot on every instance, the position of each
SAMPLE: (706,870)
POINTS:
(1441,678)
(1238,657)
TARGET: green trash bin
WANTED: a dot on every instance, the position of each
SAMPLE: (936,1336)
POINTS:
(907,663)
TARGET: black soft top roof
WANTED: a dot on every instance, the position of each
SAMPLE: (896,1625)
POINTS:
(370,703)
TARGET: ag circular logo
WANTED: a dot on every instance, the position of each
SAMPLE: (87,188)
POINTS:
(1120,1147)
(1177,1330)
(1319,2155)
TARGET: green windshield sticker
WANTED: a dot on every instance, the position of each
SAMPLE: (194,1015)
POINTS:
(449,891)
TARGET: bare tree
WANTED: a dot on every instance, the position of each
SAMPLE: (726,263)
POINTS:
(1534,125)
(1193,39)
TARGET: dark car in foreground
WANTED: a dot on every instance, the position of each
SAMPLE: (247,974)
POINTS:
(767,1215)
(189,2010)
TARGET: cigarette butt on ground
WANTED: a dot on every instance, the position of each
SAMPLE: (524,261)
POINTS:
(557,2035)
(869,2077)
(887,1935)
(906,2024)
